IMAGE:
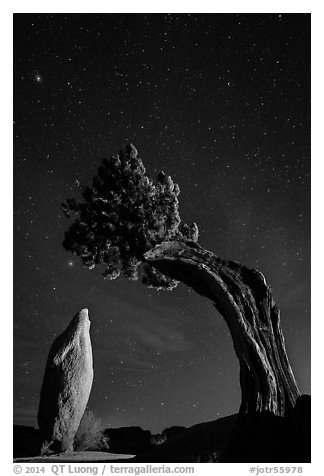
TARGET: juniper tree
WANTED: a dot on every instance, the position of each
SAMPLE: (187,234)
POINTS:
(131,224)
(124,214)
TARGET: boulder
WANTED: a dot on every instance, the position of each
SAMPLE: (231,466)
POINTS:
(66,386)
(173,431)
(200,443)
(128,440)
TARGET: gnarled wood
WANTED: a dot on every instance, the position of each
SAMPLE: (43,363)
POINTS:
(244,299)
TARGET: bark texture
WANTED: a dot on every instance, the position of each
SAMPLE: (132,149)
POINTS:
(245,301)
(66,386)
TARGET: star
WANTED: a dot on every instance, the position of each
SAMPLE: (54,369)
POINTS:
(70,263)
(38,78)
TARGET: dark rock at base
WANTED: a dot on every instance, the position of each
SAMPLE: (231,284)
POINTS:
(264,437)
(200,443)
(135,440)
(259,438)
(66,386)
(256,438)
(300,430)
(27,441)
(173,431)
(128,440)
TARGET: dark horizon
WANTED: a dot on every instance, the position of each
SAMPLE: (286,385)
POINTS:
(221,102)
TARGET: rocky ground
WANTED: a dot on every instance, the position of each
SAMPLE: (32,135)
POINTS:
(283,440)
(76,457)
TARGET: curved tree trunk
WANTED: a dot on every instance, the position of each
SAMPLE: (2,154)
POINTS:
(242,296)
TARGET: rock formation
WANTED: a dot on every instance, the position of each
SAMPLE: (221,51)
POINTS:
(242,296)
(128,440)
(196,444)
(66,386)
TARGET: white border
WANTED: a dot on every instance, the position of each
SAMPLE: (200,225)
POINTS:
(167,6)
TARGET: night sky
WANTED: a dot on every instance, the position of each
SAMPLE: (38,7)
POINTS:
(221,102)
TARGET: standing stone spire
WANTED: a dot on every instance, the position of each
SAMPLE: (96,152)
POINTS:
(66,385)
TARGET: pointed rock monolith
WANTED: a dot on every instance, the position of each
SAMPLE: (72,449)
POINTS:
(66,386)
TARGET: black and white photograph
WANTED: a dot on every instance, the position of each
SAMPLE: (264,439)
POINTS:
(162,238)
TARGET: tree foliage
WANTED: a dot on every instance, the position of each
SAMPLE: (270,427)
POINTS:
(123,214)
